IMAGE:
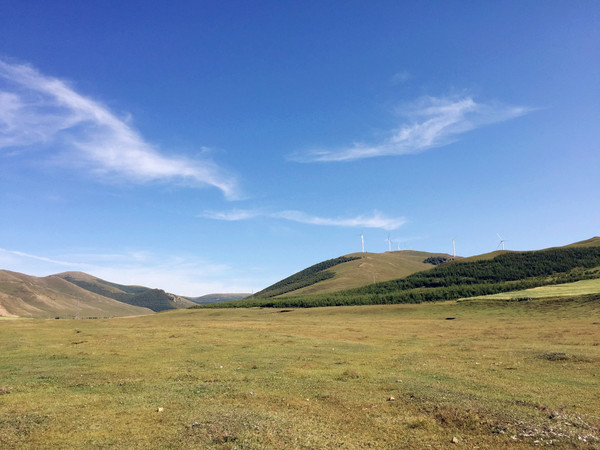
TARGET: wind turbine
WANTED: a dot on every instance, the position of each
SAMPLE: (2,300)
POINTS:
(362,242)
(453,248)
(501,241)
(389,243)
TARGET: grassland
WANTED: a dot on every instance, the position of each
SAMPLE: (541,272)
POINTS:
(486,373)
(583,287)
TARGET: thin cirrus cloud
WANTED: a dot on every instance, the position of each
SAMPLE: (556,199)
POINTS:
(44,111)
(375,220)
(430,122)
(177,274)
(35,257)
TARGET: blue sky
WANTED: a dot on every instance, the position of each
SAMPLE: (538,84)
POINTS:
(204,147)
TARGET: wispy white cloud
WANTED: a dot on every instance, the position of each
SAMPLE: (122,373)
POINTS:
(40,110)
(430,122)
(234,215)
(35,257)
(375,220)
(179,274)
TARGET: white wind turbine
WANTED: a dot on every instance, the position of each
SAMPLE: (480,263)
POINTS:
(362,242)
(389,241)
(453,248)
(501,244)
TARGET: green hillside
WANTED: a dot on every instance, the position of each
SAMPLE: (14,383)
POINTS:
(593,242)
(504,272)
(351,271)
(307,277)
(48,297)
(158,300)
(154,299)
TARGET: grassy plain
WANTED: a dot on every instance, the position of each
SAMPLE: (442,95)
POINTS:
(486,374)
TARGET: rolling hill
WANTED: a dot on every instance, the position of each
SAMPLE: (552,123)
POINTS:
(391,277)
(27,296)
(154,299)
(593,242)
(77,294)
(491,273)
(352,271)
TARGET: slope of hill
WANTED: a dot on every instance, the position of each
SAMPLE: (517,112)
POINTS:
(154,299)
(593,242)
(507,271)
(307,277)
(27,296)
(351,271)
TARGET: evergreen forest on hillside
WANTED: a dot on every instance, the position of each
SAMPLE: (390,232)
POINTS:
(306,277)
(456,279)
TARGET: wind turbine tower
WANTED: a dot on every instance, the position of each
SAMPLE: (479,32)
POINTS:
(453,249)
(389,243)
(362,242)
(501,241)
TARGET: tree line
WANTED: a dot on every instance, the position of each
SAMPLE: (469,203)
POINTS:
(457,279)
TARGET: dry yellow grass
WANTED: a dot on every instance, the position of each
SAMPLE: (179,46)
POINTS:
(499,374)
(370,268)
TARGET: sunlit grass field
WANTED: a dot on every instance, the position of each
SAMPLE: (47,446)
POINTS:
(485,373)
(582,287)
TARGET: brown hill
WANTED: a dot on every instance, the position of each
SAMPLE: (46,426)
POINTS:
(28,296)
(154,299)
